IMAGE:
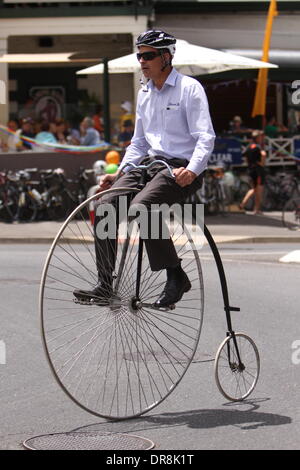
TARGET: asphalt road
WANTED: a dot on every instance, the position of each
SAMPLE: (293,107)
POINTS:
(195,415)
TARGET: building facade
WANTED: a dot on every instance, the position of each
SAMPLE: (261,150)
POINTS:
(91,31)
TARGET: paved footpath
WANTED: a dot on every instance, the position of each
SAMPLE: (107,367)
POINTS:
(234,228)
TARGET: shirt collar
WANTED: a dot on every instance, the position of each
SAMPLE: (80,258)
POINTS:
(171,79)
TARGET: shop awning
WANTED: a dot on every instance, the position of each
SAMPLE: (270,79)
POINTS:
(188,59)
(289,59)
(55,57)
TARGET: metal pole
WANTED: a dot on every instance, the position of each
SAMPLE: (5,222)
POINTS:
(106,111)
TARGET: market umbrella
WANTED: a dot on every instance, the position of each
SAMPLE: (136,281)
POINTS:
(189,59)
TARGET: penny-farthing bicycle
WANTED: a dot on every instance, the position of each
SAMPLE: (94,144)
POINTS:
(120,358)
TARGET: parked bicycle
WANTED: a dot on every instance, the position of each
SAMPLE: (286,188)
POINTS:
(213,193)
(291,213)
(30,195)
(278,189)
(8,196)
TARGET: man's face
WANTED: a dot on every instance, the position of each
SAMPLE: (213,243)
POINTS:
(151,68)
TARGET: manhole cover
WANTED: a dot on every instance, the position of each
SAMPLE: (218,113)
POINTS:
(88,441)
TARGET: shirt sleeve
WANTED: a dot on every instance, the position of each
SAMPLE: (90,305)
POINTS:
(201,128)
(138,148)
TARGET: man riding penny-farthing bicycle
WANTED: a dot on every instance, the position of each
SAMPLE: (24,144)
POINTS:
(110,338)
(172,124)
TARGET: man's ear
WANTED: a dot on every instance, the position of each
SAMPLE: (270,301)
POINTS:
(167,57)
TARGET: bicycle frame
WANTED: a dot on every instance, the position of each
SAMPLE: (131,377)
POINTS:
(228,309)
(224,288)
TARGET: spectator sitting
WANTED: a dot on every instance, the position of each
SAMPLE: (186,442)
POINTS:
(273,129)
(127,114)
(27,131)
(236,126)
(14,143)
(98,120)
(73,134)
(45,135)
(89,135)
(61,132)
(126,136)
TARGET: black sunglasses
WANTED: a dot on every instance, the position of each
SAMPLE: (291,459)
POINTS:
(147,55)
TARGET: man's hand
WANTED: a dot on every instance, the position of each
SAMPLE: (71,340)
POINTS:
(108,180)
(183,176)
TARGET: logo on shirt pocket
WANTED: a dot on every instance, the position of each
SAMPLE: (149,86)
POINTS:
(173,106)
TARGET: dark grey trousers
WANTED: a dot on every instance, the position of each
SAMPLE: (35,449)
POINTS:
(160,188)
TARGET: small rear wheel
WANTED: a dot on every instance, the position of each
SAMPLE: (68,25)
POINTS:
(236,377)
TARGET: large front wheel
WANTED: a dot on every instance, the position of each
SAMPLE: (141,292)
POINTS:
(119,358)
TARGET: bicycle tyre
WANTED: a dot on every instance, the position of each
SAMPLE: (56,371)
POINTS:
(8,203)
(27,209)
(237,383)
(110,360)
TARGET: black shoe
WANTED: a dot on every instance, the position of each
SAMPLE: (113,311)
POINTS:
(177,284)
(101,292)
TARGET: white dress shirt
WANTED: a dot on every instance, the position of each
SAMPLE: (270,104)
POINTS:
(173,122)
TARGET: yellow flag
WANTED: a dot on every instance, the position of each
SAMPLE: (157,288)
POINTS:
(259,107)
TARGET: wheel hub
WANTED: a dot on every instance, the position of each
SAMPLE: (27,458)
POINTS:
(135,304)
(115,302)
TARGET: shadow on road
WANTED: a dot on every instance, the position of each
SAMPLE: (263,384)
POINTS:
(250,418)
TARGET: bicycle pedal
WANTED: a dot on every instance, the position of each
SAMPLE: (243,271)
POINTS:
(82,301)
(100,302)
(165,309)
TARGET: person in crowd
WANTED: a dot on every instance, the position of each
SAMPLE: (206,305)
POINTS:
(73,134)
(236,127)
(89,135)
(125,136)
(127,114)
(273,129)
(98,120)
(61,132)
(27,130)
(255,158)
(45,135)
(13,142)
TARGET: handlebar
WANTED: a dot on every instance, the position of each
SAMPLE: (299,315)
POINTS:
(145,167)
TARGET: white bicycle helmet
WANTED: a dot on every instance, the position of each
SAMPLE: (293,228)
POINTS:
(157,39)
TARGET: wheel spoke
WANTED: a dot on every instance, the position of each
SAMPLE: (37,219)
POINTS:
(120,359)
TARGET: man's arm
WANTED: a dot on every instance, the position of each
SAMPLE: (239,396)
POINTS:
(201,128)
(139,146)
(135,152)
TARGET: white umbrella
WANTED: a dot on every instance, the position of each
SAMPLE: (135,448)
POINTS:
(189,59)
